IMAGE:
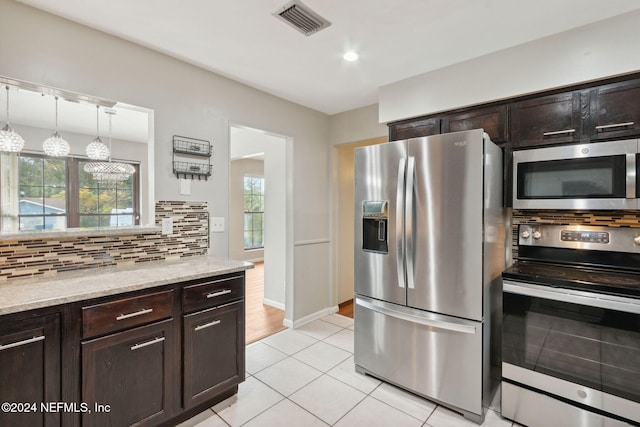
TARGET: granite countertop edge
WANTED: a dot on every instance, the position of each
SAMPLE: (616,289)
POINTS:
(32,293)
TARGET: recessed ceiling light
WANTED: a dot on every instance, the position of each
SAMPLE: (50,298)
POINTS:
(350,56)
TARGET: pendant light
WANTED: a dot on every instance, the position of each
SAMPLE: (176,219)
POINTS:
(54,145)
(96,150)
(10,141)
(108,174)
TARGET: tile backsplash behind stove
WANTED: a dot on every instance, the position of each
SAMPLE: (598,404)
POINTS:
(48,256)
(567,217)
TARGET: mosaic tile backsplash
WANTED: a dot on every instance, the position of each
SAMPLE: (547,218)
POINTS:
(564,217)
(46,257)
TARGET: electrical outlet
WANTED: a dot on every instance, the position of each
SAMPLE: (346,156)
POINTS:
(217,224)
(167,226)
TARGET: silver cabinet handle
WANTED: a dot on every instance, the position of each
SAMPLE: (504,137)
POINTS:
(23,342)
(558,132)
(207,325)
(137,313)
(615,125)
(147,343)
(219,293)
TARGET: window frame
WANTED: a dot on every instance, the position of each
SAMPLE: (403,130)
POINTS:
(252,212)
(72,187)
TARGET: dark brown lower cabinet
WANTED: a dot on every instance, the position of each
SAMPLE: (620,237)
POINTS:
(127,377)
(213,352)
(30,371)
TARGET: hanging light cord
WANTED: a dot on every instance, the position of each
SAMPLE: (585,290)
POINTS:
(110,137)
(7,87)
(56,114)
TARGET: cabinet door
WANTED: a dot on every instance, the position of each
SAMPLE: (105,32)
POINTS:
(553,119)
(414,129)
(30,369)
(492,119)
(615,111)
(213,352)
(131,372)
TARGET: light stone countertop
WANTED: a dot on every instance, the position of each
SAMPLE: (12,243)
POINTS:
(79,232)
(18,295)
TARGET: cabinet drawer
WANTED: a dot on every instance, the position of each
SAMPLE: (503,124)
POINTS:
(125,313)
(213,292)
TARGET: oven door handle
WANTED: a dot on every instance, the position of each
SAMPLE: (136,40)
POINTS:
(610,302)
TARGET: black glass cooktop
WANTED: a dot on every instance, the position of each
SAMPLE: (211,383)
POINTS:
(609,281)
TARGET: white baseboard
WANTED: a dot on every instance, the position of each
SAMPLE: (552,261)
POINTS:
(272,303)
(310,318)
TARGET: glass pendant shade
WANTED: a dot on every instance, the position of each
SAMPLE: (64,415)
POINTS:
(109,173)
(96,150)
(10,141)
(56,146)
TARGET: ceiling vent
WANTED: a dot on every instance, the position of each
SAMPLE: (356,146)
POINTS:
(301,18)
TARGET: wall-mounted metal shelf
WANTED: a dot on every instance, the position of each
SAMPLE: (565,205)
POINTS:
(185,152)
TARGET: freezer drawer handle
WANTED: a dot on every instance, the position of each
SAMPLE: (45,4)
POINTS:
(466,329)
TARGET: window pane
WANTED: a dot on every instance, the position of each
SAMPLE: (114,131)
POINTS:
(54,172)
(89,221)
(124,198)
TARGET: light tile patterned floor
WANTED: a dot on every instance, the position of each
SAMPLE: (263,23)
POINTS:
(306,377)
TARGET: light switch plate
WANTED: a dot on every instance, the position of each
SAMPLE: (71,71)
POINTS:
(185,187)
(217,224)
(167,226)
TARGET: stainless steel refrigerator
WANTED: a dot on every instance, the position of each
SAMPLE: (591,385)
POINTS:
(430,234)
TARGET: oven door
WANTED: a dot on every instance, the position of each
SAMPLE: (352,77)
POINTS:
(591,176)
(577,346)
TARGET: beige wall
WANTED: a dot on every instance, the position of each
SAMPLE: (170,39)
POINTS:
(45,49)
(606,48)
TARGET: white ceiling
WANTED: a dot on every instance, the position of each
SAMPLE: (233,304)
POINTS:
(396,39)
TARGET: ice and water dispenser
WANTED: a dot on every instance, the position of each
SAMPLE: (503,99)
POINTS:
(374,226)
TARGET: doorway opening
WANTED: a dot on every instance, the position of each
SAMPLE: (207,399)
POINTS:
(344,237)
(258,224)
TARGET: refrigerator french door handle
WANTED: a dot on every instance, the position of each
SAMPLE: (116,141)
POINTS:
(400,223)
(408,212)
(433,323)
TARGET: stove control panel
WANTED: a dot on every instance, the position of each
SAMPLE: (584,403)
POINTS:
(584,236)
(612,239)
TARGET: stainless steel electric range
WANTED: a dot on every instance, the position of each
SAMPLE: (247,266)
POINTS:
(571,327)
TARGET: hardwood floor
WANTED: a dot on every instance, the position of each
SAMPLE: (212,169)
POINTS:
(346,308)
(263,320)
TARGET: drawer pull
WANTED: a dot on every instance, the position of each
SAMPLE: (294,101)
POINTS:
(137,313)
(148,343)
(207,325)
(615,125)
(23,342)
(558,132)
(219,293)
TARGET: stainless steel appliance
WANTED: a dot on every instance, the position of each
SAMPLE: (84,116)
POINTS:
(588,176)
(571,327)
(430,247)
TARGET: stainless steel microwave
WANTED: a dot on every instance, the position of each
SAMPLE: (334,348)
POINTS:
(602,175)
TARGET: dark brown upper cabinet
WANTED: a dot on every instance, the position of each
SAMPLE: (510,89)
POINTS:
(615,111)
(492,119)
(414,128)
(552,119)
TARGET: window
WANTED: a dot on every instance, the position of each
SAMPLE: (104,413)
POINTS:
(54,194)
(253,212)
(42,190)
